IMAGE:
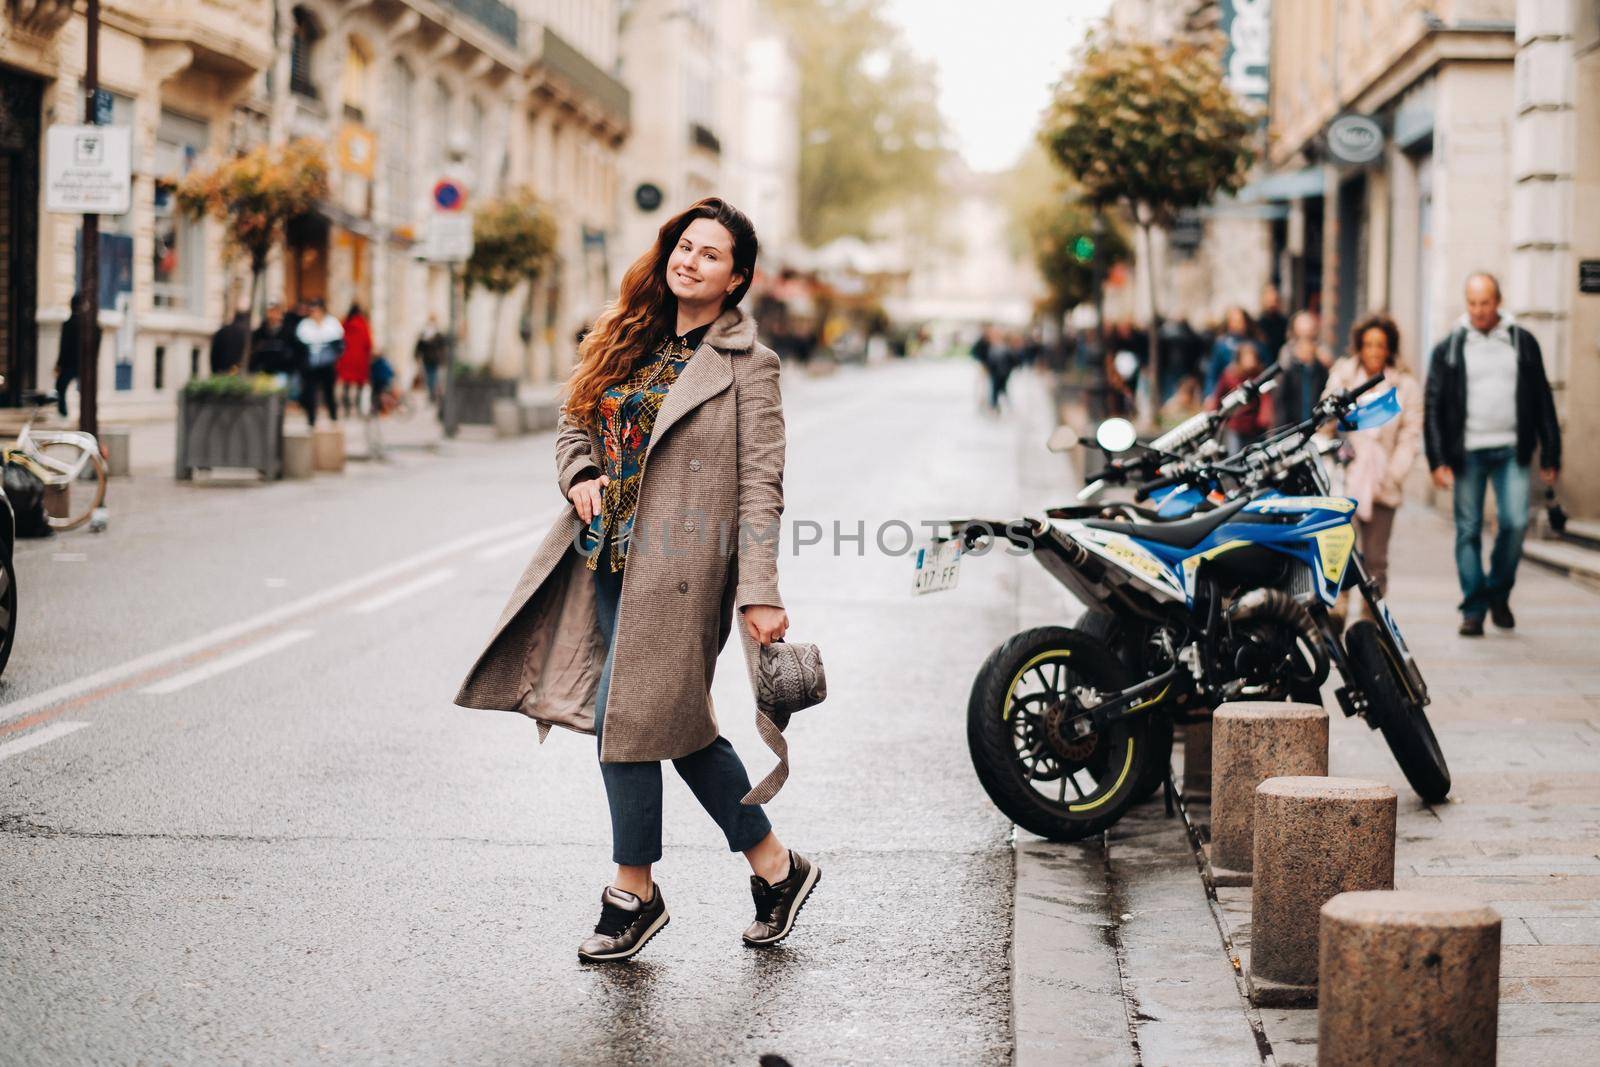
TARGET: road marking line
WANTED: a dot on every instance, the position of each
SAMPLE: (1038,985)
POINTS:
(508,547)
(399,593)
(19,709)
(39,737)
(228,662)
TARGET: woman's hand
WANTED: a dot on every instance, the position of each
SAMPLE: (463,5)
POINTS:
(585,496)
(765,622)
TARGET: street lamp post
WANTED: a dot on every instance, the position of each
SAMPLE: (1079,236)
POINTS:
(89,284)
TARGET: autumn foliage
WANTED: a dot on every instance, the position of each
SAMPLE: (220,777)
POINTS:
(256,193)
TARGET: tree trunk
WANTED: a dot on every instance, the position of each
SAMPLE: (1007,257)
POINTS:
(1153,392)
(258,267)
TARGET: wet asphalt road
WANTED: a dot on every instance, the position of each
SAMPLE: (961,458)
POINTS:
(312,855)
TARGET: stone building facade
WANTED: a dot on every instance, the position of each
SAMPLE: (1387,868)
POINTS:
(186,78)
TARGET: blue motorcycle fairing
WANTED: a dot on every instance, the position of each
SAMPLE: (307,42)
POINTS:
(1370,414)
(1178,501)
(1322,537)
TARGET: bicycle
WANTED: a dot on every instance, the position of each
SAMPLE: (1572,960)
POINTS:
(59,458)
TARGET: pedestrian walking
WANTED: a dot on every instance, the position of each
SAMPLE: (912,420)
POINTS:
(1489,408)
(354,368)
(1272,325)
(1237,329)
(1255,418)
(432,347)
(69,356)
(323,338)
(1305,373)
(1382,457)
(230,342)
(272,346)
(674,353)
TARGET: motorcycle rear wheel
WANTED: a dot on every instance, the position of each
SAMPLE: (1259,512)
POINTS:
(1404,724)
(1106,627)
(1025,768)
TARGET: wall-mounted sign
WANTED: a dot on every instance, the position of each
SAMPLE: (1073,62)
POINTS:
(87,169)
(1589,275)
(1354,139)
(449,195)
(357,149)
(647,196)
(448,238)
(1247,32)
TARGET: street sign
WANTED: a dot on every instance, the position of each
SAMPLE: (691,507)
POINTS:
(449,195)
(1354,139)
(88,170)
(449,237)
(1589,276)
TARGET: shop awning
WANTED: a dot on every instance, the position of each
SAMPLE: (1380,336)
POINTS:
(1285,185)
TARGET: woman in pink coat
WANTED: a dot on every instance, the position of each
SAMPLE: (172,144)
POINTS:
(355,365)
(1382,457)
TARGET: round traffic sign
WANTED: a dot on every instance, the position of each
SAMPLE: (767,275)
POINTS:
(449,195)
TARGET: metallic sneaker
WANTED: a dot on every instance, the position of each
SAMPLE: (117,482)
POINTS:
(778,904)
(626,923)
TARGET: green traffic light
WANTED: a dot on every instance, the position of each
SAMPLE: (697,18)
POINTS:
(1083,249)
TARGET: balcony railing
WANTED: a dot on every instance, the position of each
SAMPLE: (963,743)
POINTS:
(494,16)
(572,66)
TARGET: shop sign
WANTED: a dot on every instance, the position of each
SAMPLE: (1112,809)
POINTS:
(1354,139)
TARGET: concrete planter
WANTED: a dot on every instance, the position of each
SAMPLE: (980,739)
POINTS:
(470,401)
(230,431)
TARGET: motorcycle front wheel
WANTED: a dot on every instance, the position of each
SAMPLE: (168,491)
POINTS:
(1404,724)
(1045,779)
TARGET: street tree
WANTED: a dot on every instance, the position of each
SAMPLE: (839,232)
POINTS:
(513,242)
(254,195)
(1071,243)
(1152,128)
(871,136)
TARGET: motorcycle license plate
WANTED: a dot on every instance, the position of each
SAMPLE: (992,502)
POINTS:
(938,565)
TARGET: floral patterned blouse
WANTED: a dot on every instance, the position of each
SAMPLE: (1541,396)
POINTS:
(627,415)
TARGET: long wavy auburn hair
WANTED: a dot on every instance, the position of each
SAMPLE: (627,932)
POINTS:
(645,311)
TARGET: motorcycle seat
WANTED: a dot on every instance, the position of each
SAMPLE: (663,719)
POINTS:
(1179,533)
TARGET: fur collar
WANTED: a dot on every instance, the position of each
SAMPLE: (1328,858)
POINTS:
(733,331)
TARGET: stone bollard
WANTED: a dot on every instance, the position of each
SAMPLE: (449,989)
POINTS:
(327,449)
(1315,838)
(1197,761)
(58,501)
(1407,978)
(540,415)
(296,455)
(1252,741)
(116,441)
(507,417)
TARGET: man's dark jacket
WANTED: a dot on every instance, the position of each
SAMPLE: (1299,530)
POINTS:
(272,350)
(228,344)
(1444,427)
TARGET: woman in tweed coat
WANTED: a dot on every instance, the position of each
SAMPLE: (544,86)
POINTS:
(618,634)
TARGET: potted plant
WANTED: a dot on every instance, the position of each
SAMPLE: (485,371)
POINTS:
(231,421)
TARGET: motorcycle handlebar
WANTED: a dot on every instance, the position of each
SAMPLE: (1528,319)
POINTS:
(1150,488)
(1370,383)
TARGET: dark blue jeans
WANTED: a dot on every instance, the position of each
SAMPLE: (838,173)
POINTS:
(1510,479)
(714,774)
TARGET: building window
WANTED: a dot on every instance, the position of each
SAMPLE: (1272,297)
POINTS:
(178,243)
(444,105)
(302,47)
(356,80)
(401,96)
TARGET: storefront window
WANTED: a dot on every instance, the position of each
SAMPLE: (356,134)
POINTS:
(178,247)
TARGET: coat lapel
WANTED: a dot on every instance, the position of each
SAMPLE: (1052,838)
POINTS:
(707,373)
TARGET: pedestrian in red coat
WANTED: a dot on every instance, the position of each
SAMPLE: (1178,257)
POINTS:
(355,365)
(1254,419)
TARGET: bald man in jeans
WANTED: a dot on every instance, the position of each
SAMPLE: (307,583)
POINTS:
(1489,407)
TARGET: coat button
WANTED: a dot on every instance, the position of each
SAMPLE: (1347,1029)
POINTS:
(694,464)
(688,526)
(683,587)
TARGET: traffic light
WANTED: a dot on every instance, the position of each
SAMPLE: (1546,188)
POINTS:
(1083,248)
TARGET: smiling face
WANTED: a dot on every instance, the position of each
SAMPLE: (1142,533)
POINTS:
(700,269)
(1374,352)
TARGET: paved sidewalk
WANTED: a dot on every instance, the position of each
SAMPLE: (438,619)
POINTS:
(1518,717)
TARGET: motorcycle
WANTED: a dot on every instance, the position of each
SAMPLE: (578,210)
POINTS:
(1068,727)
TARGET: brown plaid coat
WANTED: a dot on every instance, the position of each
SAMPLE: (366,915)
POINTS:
(704,544)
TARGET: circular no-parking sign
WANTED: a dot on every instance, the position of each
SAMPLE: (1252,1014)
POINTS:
(449,195)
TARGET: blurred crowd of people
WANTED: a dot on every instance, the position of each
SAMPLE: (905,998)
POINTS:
(323,361)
